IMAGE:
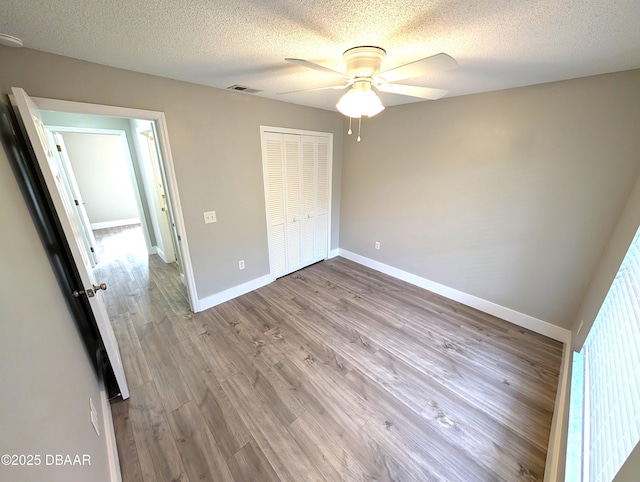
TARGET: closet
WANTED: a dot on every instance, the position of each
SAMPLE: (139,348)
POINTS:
(297,171)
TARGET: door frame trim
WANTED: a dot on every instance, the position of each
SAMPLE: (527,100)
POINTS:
(163,140)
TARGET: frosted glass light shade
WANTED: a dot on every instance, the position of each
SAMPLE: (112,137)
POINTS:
(359,101)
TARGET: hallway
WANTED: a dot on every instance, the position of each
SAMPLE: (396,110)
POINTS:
(134,279)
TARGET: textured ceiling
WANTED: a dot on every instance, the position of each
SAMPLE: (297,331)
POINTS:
(497,43)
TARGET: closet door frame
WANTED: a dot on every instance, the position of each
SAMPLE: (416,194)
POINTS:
(299,132)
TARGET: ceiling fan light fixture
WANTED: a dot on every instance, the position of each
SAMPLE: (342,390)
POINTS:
(360,100)
(10,40)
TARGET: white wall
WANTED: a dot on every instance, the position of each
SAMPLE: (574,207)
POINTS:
(46,375)
(104,179)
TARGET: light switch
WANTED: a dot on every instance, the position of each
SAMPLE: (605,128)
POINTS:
(210,217)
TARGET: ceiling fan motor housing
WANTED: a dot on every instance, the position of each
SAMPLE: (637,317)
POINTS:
(363,61)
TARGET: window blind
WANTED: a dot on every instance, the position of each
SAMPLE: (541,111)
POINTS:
(612,375)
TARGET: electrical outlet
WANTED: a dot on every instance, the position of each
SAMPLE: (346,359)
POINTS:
(241,264)
(377,245)
(94,416)
(210,217)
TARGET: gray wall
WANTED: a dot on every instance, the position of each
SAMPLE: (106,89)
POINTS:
(46,375)
(608,266)
(101,170)
(630,470)
(510,196)
(215,141)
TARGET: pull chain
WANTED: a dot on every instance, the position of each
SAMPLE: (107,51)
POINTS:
(349,131)
(359,127)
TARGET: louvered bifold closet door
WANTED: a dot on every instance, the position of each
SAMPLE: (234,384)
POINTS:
(309,197)
(321,239)
(273,165)
(296,177)
(293,207)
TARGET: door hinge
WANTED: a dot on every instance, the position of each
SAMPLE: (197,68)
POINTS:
(59,148)
(76,201)
(92,250)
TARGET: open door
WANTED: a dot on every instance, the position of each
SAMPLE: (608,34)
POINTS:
(73,191)
(29,113)
(169,203)
(157,195)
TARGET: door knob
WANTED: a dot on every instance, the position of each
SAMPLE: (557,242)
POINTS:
(90,292)
(101,286)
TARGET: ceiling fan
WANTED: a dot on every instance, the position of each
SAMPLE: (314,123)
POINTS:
(363,75)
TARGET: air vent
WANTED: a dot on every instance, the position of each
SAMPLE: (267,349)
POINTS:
(242,88)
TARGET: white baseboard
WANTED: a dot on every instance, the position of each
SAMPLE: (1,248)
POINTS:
(234,292)
(110,435)
(113,224)
(515,317)
(333,253)
(557,450)
(160,253)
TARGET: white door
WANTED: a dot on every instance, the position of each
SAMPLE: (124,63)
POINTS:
(273,167)
(64,207)
(168,202)
(309,197)
(67,169)
(323,166)
(293,204)
(296,172)
(162,224)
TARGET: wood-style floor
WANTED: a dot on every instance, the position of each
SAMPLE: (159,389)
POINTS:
(336,372)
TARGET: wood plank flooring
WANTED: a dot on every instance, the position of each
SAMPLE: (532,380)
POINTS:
(335,372)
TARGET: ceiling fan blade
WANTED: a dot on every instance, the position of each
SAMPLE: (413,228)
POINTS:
(418,68)
(413,91)
(314,66)
(335,87)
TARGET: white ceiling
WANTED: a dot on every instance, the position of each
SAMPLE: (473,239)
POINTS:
(498,43)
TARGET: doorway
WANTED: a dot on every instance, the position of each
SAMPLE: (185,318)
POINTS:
(65,116)
(121,202)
